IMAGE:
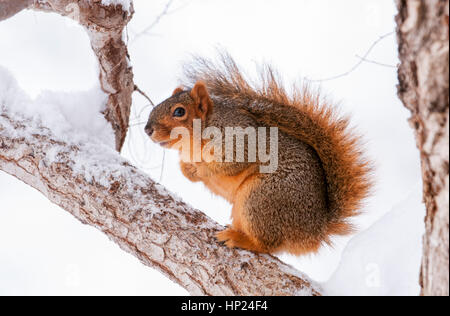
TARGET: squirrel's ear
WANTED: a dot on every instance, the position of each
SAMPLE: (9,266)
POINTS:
(177,90)
(201,98)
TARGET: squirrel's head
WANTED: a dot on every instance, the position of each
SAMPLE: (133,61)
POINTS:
(179,110)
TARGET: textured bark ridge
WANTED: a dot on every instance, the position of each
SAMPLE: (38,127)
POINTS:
(105,25)
(9,8)
(423,37)
(98,187)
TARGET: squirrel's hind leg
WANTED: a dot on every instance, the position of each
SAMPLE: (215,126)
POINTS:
(235,239)
(237,235)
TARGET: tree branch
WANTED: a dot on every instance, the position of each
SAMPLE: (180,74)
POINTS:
(101,189)
(104,25)
(9,8)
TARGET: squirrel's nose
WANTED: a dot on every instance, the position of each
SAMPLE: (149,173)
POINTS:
(149,130)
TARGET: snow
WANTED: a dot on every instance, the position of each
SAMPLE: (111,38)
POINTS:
(385,259)
(304,292)
(126,4)
(9,91)
(73,116)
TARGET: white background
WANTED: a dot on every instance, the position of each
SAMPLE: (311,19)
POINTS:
(44,250)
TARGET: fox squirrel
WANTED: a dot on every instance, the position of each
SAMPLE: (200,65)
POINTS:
(322,175)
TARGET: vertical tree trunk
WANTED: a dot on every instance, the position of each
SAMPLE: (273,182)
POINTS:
(105,25)
(423,35)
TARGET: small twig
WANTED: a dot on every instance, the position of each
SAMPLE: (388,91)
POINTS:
(136,88)
(375,62)
(362,59)
(155,22)
(137,124)
(162,166)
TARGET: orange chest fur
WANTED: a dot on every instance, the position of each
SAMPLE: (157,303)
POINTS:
(226,186)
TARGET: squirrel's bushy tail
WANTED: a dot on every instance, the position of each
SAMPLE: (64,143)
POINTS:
(304,116)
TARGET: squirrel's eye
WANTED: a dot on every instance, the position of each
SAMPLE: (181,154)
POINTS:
(179,112)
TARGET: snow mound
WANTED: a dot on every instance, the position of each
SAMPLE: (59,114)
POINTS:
(385,259)
(80,136)
(75,117)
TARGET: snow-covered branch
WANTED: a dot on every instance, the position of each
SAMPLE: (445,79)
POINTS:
(82,172)
(100,188)
(105,21)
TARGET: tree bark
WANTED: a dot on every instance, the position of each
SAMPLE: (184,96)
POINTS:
(98,187)
(105,26)
(423,38)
